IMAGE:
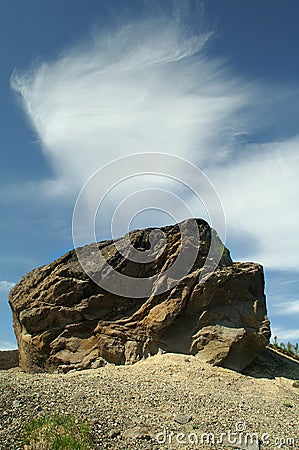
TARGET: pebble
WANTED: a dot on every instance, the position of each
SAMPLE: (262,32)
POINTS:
(182,418)
(113,434)
(128,406)
(16,404)
(137,433)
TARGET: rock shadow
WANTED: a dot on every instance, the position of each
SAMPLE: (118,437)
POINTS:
(272,364)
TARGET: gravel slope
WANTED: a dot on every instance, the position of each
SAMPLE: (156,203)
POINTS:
(155,395)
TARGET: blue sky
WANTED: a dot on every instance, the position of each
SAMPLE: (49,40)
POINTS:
(83,82)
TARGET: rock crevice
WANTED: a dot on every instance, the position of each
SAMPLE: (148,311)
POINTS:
(63,320)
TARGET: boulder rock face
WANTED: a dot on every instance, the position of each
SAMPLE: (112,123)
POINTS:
(64,320)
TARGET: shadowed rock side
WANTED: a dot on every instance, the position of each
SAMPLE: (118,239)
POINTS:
(64,321)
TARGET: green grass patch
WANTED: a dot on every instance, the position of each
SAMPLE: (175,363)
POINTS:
(286,348)
(5,385)
(287,404)
(57,433)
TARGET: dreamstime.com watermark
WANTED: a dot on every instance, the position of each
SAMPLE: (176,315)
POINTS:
(121,176)
(237,435)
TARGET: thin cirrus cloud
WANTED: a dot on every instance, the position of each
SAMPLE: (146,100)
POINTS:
(147,87)
(7,345)
(259,193)
(285,334)
(5,287)
(151,87)
(286,308)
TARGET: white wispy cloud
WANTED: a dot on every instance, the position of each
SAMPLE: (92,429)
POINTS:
(147,87)
(290,281)
(259,191)
(151,87)
(47,190)
(285,335)
(286,308)
(8,345)
(5,287)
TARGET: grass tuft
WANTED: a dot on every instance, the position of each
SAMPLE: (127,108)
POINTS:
(287,349)
(56,433)
(287,404)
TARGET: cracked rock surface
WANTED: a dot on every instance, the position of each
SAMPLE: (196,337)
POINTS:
(64,320)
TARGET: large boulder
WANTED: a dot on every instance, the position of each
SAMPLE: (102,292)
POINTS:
(65,320)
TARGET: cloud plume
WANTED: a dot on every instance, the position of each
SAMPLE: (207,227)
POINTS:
(5,287)
(152,87)
(146,87)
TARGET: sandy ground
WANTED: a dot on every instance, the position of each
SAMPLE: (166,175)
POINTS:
(168,401)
